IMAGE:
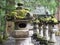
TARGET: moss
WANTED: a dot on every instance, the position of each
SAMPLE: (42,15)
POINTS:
(1,39)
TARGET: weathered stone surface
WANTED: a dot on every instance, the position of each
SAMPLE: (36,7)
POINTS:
(11,41)
(20,34)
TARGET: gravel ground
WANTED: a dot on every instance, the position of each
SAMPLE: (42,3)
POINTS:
(58,40)
(11,41)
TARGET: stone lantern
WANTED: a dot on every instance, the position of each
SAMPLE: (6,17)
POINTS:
(20,30)
(21,34)
(52,22)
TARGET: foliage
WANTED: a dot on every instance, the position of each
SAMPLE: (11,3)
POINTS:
(10,5)
(3,37)
(50,4)
(2,20)
(4,6)
(2,3)
(32,4)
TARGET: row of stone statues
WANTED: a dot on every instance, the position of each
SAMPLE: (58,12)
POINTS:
(44,29)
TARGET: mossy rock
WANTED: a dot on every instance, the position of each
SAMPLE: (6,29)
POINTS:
(9,18)
(1,39)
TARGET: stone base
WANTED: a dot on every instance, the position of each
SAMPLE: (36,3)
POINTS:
(46,38)
(20,34)
(26,41)
(52,41)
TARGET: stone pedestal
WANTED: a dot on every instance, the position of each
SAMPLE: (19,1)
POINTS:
(23,37)
(18,41)
(45,32)
(52,35)
(41,31)
(26,41)
(36,28)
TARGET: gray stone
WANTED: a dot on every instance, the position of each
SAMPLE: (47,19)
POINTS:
(11,41)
